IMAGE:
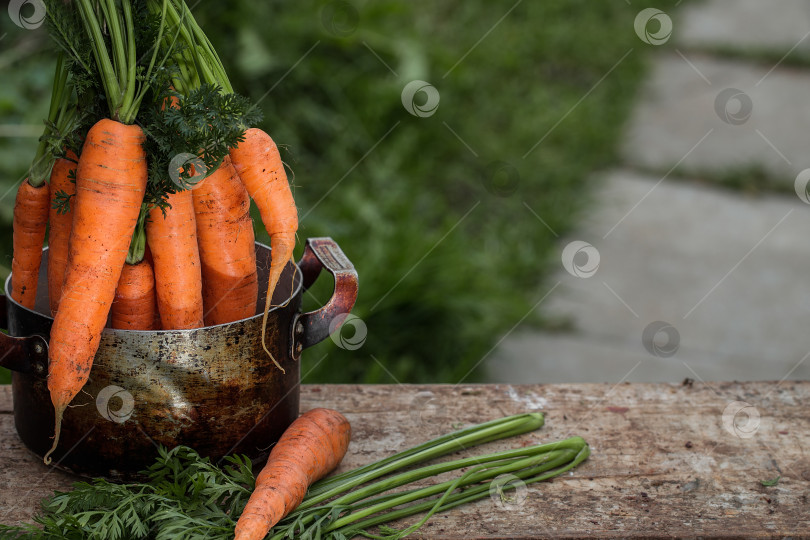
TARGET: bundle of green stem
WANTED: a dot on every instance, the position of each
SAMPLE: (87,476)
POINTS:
(58,126)
(351,511)
(188,497)
(194,57)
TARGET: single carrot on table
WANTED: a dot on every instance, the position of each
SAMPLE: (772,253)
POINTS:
(226,242)
(308,450)
(60,220)
(172,239)
(260,168)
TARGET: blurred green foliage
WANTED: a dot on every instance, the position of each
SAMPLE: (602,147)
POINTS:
(438,213)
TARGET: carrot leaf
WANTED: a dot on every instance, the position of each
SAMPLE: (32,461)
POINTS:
(61,202)
(204,124)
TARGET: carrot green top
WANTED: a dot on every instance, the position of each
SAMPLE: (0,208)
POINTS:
(124,81)
(61,116)
(207,117)
(196,58)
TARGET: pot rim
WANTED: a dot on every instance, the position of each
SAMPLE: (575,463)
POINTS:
(296,291)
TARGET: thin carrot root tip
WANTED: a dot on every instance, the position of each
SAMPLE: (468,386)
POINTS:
(264,343)
(57,430)
(281,250)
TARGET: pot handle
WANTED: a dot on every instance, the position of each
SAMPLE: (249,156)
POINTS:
(313,327)
(22,354)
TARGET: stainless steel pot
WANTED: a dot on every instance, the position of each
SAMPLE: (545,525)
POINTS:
(214,388)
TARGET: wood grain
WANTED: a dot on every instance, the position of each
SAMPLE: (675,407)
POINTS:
(665,461)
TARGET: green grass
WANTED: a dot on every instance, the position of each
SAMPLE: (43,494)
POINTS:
(447,263)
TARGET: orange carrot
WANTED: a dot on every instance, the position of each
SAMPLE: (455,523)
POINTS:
(29,223)
(261,170)
(308,450)
(110,186)
(172,236)
(60,225)
(33,196)
(226,243)
(134,305)
(178,280)
(147,256)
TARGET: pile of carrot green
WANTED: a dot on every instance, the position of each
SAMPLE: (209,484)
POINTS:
(143,176)
(186,496)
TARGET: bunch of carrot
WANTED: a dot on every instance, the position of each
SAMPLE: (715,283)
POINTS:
(131,244)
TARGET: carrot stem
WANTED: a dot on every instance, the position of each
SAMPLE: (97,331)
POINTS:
(472,436)
(360,498)
(358,510)
(44,158)
(113,24)
(189,78)
(131,64)
(528,476)
(208,52)
(112,88)
(118,67)
(137,248)
(198,51)
(150,73)
(432,470)
(474,475)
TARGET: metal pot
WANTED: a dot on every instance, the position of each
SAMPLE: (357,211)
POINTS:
(214,388)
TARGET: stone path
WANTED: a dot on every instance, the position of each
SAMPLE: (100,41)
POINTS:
(673,277)
(678,119)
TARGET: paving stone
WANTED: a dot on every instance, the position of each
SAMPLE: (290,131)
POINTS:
(744,25)
(690,114)
(562,358)
(727,272)
(714,280)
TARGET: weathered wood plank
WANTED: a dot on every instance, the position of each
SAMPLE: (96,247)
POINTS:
(665,462)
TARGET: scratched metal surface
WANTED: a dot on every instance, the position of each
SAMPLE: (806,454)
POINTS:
(169,388)
(668,460)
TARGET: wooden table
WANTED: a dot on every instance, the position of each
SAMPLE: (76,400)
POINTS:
(666,462)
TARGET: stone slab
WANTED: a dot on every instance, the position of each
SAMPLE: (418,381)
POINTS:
(744,25)
(708,115)
(727,272)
